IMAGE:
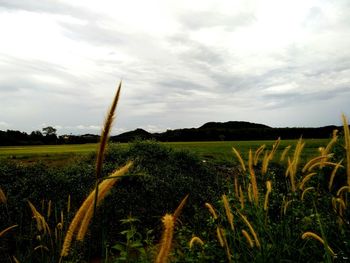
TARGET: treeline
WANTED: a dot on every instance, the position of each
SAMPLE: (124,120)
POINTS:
(12,137)
(211,131)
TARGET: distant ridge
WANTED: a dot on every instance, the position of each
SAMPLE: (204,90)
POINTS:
(232,125)
(133,135)
(227,131)
(210,131)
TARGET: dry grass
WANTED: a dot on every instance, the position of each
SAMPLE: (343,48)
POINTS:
(83,217)
(3,198)
(319,239)
(167,237)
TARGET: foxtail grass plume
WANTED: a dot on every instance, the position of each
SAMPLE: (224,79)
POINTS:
(286,205)
(195,240)
(235,182)
(68,204)
(219,234)
(338,205)
(251,229)
(211,210)
(167,237)
(284,153)
(40,220)
(319,239)
(331,143)
(168,232)
(257,153)
(3,232)
(180,207)
(248,238)
(323,163)
(293,164)
(49,209)
(84,214)
(250,194)
(268,191)
(269,156)
(239,157)
(305,180)
(41,247)
(274,148)
(347,146)
(343,189)
(241,197)
(103,190)
(228,211)
(305,191)
(316,160)
(105,132)
(265,163)
(223,242)
(3,198)
(253,179)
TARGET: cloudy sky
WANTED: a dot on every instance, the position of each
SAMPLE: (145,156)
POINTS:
(183,63)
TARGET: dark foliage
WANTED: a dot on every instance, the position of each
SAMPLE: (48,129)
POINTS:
(159,180)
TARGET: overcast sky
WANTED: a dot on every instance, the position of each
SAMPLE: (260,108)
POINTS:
(183,63)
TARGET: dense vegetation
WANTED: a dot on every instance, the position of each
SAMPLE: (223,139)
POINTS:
(160,178)
(127,225)
(228,131)
(211,131)
(12,137)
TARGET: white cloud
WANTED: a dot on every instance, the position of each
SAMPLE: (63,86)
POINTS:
(183,63)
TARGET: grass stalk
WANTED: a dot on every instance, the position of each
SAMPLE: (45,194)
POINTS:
(167,237)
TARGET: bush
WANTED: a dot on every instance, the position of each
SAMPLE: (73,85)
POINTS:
(160,179)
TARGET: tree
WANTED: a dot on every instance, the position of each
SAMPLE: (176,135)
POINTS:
(48,131)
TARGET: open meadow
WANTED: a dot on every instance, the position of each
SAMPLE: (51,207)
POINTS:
(285,201)
(216,151)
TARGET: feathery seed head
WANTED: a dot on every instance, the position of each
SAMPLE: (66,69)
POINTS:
(211,210)
(3,198)
(167,237)
(239,157)
(319,239)
(180,207)
(3,232)
(305,191)
(195,240)
(251,229)
(248,238)
(229,214)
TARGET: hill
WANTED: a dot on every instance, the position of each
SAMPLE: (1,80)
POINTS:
(232,125)
(211,131)
(228,131)
(133,135)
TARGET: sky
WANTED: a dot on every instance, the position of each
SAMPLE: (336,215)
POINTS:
(182,63)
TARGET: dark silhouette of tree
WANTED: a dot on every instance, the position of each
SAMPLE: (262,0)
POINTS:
(49,130)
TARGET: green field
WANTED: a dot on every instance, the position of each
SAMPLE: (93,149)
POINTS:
(217,151)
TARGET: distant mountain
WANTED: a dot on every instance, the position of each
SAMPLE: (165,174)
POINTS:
(133,135)
(232,125)
(211,131)
(228,131)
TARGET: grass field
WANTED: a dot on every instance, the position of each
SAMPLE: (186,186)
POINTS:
(218,151)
